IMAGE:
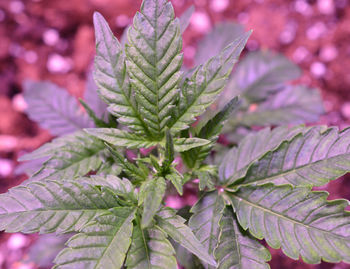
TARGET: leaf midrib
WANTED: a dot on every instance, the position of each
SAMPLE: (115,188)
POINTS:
(280,216)
(290,171)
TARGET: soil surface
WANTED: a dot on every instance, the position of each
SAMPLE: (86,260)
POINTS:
(54,40)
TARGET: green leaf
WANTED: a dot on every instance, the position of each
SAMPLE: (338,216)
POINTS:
(296,104)
(121,187)
(176,179)
(169,151)
(129,168)
(98,122)
(185,18)
(207,175)
(217,39)
(150,249)
(52,206)
(298,220)
(183,144)
(151,195)
(112,79)
(260,74)
(51,148)
(237,161)
(53,108)
(205,220)
(237,249)
(121,138)
(79,155)
(174,226)
(154,60)
(313,158)
(211,130)
(103,243)
(205,84)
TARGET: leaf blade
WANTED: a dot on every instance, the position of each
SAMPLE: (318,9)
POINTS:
(244,252)
(205,84)
(299,221)
(52,206)
(102,243)
(174,226)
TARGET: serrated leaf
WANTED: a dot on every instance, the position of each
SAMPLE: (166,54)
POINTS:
(205,84)
(103,243)
(150,249)
(207,175)
(298,220)
(124,139)
(79,155)
(121,187)
(296,104)
(217,39)
(112,79)
(205,220)
(237,249)
(129,168)
(210,130)
(151,195)
(121,138)
(313,158)
(183,144)
(98,122)
(109,167)
(174,226)
(50,148)
(237,161)
(185,18)
(169,151)
(53,108)
(92,99)
(176,179)
(154,60)
(259,74)
(52,206)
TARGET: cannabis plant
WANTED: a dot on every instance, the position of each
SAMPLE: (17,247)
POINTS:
(107,178)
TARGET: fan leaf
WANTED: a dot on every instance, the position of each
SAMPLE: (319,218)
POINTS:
(103,243)
(296,104)
(260,74)
(205,84)
(205,220)
(313,158)
(154,62)
(151,195)
(237,249)
(150,249)
(54,109)
(79,155)
(174,226)
(237,161)
(121,138)
(52,206)
(112,79)
(298,220)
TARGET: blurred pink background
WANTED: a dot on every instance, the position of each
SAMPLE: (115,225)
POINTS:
(54,40)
